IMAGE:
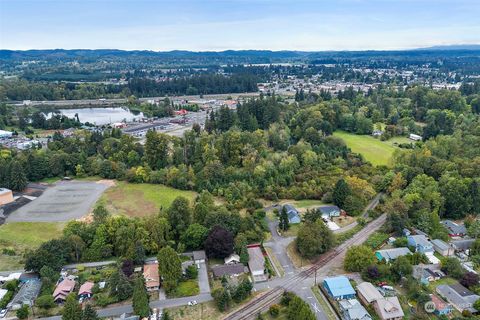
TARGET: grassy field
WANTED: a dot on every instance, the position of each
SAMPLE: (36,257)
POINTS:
(202,311)
(143,199)
(373,150)
(186,289)
(307,203)
(20,236)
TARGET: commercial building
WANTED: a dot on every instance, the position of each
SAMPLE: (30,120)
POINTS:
(443,248)
(256,263)
(339,288)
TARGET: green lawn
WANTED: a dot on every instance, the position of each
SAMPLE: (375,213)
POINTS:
(307,203)
(20,236)
(373,150)
(140,199)
(186,289)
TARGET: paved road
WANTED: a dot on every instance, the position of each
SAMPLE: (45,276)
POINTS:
(302,285)
(279,245)
(169,303)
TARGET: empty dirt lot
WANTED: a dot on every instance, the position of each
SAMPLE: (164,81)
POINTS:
(64,201)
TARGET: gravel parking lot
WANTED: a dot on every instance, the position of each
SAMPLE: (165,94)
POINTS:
(65,201)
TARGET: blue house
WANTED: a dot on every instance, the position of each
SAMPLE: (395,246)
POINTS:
(339,288)
(391,254)
(293,216)
(330,211)
(420,243)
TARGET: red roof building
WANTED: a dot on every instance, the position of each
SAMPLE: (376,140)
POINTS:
(63,289)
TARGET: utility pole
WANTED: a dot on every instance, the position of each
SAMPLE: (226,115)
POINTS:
(316,276)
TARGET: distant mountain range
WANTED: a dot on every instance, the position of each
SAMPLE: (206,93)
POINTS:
(454,47)
(257,56)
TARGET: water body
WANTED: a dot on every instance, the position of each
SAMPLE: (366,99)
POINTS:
(100,116)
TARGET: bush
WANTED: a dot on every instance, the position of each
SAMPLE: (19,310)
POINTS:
(12,285)
(274,310)
(102,299)
(6,299)
(191,272)
(23,312)
(45,301)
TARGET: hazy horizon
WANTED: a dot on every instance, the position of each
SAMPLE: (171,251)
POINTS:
(217,25)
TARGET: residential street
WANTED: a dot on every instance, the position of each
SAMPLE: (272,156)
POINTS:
(278,244)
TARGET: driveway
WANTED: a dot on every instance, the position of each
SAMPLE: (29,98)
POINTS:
(203,283)
(279,245)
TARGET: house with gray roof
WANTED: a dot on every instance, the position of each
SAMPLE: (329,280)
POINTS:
(353,310)
(460,297)
(229,270)
(388,308)
(256,264)
(392,254)
(455,229)
(462,244)
(368,293)
(443,248)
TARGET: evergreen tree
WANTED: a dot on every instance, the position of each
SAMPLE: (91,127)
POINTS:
(341,193)
(89,313)
(284,222)
(18,179)
(140,298)
(72,310)
(170,267)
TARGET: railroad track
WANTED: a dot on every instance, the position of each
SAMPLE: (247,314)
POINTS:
(252,308)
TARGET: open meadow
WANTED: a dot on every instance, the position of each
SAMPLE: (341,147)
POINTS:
(16,237)
(138,200)
(372,149)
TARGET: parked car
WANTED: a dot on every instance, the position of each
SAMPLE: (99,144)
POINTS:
(3,313)
(192,303)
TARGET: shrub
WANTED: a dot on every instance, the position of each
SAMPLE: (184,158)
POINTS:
(45,301)
(274,310)
(191,272)
(23,312)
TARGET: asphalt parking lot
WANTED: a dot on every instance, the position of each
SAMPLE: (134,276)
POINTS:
(64,201)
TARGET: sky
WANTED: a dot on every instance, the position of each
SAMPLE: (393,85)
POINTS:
(214,25)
